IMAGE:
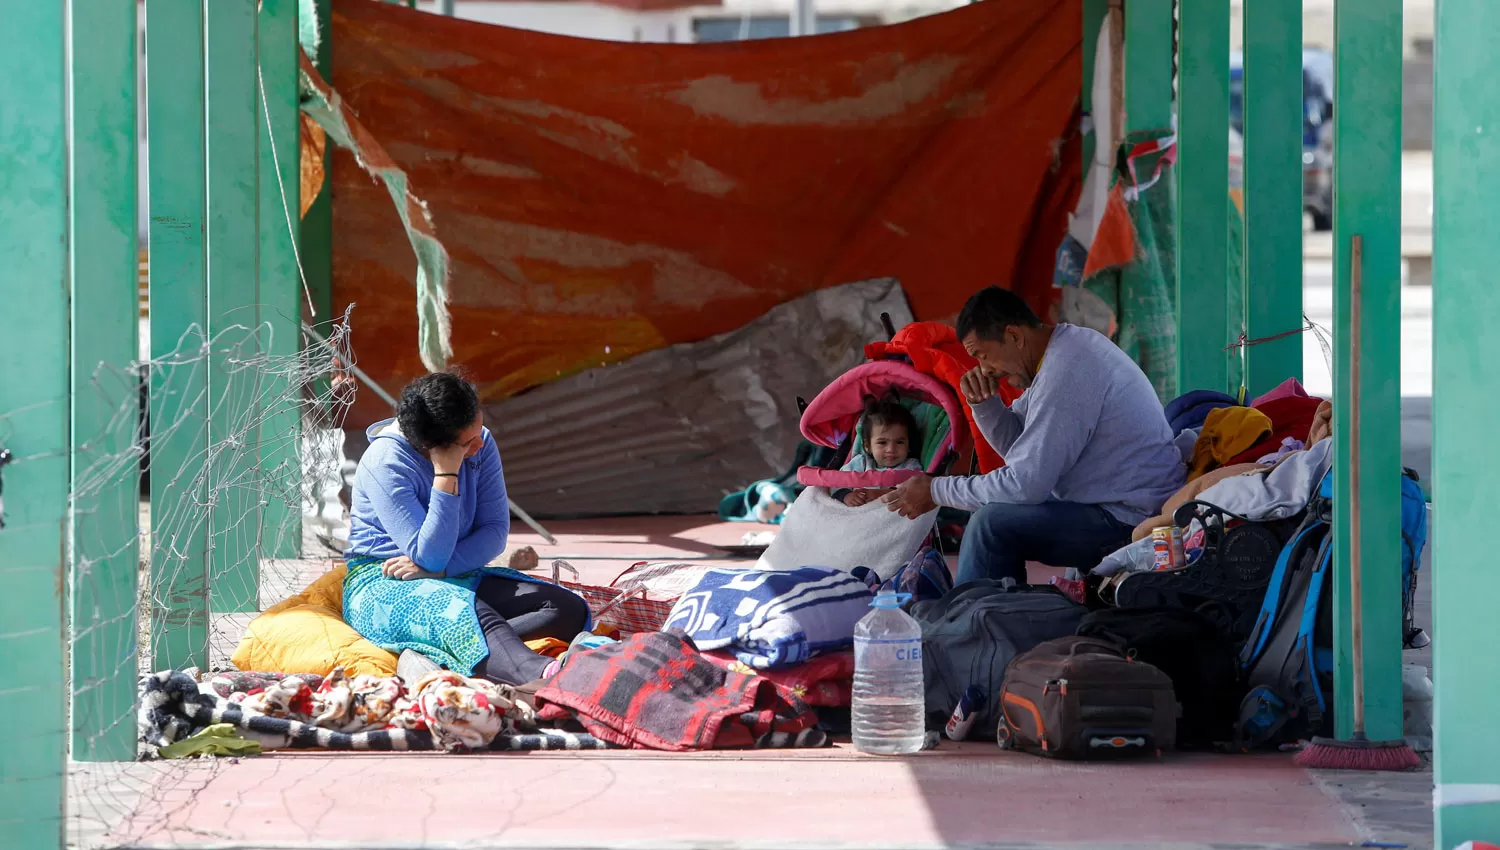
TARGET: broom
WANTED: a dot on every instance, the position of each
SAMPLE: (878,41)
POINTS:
(1359,752)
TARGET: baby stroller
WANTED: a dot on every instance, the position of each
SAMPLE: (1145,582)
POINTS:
(819,530)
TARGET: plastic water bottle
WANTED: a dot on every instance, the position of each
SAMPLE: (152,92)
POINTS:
(889,699)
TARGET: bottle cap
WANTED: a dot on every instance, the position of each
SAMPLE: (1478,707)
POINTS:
(889,599)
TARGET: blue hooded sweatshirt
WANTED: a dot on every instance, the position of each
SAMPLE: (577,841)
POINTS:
(395,511)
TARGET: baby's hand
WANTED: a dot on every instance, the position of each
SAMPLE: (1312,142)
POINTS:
(855,498)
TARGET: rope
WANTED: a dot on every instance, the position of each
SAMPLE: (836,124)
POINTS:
(285,209)
(1318,331)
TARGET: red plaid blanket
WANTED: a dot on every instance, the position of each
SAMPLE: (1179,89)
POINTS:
(823,681)
(647,612)
(656,691)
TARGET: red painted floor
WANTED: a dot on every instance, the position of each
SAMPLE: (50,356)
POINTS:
(959,795)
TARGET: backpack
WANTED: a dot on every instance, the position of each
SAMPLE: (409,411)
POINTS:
(1196,655)
(972,633)
(1084,698)
(1288,657)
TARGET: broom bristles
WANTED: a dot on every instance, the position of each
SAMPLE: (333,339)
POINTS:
(1358,754)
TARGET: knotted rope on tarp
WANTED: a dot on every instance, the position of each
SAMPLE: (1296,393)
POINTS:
(434,328)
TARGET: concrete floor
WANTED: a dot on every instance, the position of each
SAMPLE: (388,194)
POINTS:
(963,797)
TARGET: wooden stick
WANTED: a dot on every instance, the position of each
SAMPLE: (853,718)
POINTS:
(1356,583)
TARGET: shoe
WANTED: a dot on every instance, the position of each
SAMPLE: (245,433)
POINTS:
(413,665)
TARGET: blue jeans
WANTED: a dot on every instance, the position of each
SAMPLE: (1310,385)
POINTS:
(1001,538)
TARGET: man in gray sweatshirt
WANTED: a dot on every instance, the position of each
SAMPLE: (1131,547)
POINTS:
(1087,448)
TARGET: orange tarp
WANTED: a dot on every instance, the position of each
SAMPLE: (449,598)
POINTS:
(602,199)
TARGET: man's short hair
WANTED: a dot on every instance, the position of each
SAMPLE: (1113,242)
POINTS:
(991,310)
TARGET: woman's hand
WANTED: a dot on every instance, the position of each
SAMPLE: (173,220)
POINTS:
(447,459)
(978,385)
(405,569)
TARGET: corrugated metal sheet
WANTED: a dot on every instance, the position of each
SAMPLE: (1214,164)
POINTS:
(674,430)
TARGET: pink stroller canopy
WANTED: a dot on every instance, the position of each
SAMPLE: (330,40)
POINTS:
(834,414)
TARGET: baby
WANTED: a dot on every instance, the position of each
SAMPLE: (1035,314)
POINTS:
(887,430)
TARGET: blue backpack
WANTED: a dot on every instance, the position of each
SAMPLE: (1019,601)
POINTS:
(1288,658)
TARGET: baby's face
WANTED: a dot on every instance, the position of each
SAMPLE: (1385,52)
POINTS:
(889,445)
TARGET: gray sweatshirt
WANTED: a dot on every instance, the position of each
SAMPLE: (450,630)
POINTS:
(1089,430)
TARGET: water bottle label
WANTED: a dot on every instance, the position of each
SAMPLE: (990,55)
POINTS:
(874,654)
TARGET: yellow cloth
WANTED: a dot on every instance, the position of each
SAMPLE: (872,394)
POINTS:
(307,634)
(550,647)
(1227,432)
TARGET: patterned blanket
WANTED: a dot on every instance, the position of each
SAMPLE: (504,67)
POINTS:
(433,616)
(772,619)
(444,711)
(656,691)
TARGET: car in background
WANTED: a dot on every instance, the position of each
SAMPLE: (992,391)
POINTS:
(1317,128)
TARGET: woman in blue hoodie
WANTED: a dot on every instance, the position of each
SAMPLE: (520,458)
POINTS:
(428,513)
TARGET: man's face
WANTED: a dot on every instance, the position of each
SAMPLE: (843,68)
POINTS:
(1003,358)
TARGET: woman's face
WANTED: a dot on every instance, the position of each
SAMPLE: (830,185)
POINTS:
(472,437)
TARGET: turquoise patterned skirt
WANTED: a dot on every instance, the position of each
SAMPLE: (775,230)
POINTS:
(434,616)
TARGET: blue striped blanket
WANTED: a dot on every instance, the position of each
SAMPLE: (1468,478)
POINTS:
(772,619)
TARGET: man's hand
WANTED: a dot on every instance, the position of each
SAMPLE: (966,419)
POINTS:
(978,385)
(912,498)
(405,569)
(855,498)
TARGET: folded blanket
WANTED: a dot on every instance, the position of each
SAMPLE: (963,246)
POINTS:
(656,691)
(825,532)
(823,682)
(772,619)
(443,711)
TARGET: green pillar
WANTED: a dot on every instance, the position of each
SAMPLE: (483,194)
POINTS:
(1367,203)
(316,246)
(33,425)
(1273,191)
(280,286)
(233,121)
(179,315)
(1466,310)
(1203,198)
(1093,19)
(1148,65)
(106,408)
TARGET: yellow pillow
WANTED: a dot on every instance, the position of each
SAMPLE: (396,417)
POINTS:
(307,634)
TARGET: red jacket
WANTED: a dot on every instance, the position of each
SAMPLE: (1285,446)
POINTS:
(934,349)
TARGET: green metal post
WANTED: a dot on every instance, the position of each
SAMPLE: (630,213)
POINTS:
(179,317)
(33,425)
(1093,19)
(1148,65)
(1203,198)
(1273,191)
(316,247)
(233,121)
(1367,203)
(106,399)
(1466,310)
(280,285)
